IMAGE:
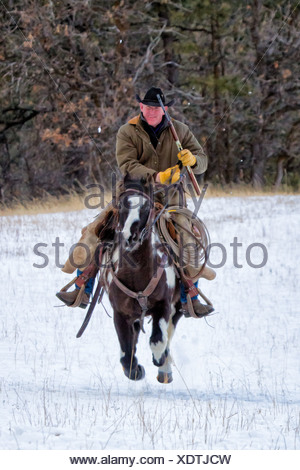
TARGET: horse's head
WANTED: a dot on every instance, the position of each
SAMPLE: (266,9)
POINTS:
(135,212)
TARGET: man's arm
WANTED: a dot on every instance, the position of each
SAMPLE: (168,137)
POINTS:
(189,141)
(127,157)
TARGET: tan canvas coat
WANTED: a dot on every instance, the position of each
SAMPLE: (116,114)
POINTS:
(137,156)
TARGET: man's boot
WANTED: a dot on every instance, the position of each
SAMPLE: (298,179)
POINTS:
(69,298)
(200,309)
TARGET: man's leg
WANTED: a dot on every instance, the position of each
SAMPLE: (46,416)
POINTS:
(69,297)
(200,309)
(84,249)
(191,254)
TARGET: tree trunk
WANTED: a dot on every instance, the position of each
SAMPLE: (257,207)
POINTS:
(168,41)
(258,164)
(5,163)
(279,174)
(258,154)
(281,164)
(221,150)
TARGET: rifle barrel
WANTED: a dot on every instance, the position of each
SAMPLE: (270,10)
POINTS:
(179,146)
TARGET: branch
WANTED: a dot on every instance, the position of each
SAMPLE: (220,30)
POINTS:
(200,30)
(22,116)
(284,109)
(150,48)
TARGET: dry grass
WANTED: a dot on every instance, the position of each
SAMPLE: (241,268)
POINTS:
(239,190)
(76,202)
(46,205)
(51,204)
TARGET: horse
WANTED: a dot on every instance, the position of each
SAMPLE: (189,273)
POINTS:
(142,282)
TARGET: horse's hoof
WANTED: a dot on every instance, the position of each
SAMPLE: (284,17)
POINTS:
(162,360)
(165,377)
(140,373)
(136,374)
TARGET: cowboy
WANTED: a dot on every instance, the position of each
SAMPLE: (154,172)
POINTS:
(145,147)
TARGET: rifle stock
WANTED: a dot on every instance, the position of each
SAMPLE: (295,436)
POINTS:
(179,146)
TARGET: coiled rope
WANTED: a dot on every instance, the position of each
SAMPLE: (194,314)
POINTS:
(186,221)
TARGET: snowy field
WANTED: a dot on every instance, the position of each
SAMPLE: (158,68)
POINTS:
(236,377)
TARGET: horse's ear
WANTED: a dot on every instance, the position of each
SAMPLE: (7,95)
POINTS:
(126,177)
(147,180)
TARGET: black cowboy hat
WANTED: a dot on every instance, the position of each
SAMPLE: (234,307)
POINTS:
(150,98)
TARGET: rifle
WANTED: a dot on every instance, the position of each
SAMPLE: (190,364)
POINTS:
(179,146)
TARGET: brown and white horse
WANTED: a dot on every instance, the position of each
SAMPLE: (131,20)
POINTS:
(142,282)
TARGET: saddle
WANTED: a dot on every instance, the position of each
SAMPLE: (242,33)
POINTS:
(106,228)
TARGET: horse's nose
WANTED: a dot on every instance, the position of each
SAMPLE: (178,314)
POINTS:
(132,240)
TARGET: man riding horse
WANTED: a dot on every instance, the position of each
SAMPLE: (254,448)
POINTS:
(146,148)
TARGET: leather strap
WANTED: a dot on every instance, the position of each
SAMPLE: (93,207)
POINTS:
(79,297)
(90,271)
(142,295)
(97,297)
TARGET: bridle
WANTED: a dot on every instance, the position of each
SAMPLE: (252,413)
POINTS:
(149,223)
(142,296)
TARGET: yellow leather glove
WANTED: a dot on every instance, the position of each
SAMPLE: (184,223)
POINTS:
(170,175)
(187,158)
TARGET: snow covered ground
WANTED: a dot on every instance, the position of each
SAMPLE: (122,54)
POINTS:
(236,376)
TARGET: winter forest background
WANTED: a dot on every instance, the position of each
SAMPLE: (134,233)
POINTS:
(72,69)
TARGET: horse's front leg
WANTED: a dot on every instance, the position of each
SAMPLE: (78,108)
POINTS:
(128,336)
(165,370)
(159,336)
